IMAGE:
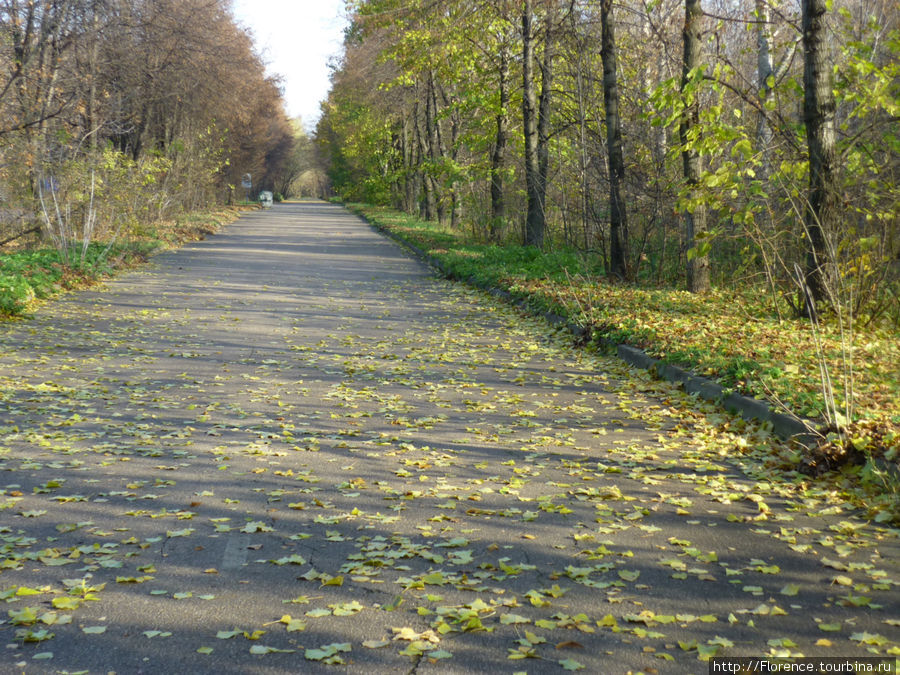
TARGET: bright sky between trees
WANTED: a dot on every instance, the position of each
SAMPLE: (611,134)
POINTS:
(296,39)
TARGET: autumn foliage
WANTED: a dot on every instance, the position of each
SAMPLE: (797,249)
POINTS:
(131,110)
(543,122)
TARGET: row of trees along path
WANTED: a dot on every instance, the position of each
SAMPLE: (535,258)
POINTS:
(679,140)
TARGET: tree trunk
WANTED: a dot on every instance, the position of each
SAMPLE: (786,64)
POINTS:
(428,209)
(409,187)
(498,157)
(818,115)
(695,218)
(456,216)
(765,75)
(450,153)
(586,232)
(434,151)
(618,221)
(543,129)
(534,218)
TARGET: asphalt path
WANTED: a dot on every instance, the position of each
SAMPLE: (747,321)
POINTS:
(290,448)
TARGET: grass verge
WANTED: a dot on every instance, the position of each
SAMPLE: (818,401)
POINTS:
(29,276)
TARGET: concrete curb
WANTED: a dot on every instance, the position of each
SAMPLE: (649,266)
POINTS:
(784,426)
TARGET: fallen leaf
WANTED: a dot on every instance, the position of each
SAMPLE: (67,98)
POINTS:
(94,630)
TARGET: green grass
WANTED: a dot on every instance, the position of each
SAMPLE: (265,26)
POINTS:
(487,264)
(28,277)
(729,335)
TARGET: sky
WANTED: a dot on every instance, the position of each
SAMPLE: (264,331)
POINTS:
(296,38)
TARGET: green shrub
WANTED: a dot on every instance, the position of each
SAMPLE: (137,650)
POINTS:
(27,276)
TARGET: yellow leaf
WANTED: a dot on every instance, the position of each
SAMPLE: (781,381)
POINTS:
(65,603)
(608,621)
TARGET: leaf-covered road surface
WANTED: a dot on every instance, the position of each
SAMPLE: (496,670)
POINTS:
(290,449)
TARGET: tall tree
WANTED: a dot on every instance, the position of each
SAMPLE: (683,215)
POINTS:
(544,117)
(618,219)
(695,215)
(534,217)
(536,111)
(818,116)
(498,156)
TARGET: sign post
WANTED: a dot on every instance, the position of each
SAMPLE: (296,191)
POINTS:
(247,184)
